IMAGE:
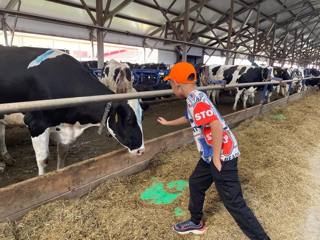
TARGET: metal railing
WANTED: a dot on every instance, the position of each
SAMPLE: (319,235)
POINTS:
(8,108)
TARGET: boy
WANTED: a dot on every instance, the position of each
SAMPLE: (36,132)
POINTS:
(219,156)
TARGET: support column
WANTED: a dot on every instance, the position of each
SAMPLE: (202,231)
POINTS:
(4,29)
(100,38)
(272,55)
(186,30)
(230,31)
(255,43)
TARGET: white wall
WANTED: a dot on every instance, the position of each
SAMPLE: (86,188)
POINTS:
(214,60)
(167,57)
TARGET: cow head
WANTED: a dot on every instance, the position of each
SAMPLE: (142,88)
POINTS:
(204,75)
(267,74)
(118,77)
(124,123)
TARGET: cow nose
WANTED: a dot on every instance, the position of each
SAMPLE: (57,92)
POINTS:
(140,151)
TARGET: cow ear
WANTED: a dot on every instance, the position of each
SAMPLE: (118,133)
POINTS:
(106,71)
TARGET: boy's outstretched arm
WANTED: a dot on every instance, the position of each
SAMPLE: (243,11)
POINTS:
(178,121)
(217,138)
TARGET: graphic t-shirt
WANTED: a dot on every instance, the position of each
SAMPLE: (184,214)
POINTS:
(201,112)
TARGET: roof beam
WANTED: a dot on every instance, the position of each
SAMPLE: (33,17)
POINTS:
(88,11)
(225,16)
(11,4)
(177,18)
(117,9)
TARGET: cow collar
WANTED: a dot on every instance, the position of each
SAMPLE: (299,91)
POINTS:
(104,117)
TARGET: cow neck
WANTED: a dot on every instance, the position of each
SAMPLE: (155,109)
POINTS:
(104,118)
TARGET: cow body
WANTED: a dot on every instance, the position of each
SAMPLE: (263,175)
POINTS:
(235,74)
(39,74)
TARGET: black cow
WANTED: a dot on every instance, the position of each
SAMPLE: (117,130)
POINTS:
(315,77)
(29,74)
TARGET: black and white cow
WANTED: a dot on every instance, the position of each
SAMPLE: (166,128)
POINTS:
(278,73)
(235,74)
(118,77)
(314,74)
(296,74)
(28,74)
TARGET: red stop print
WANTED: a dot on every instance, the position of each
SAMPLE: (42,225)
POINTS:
(227,143)
(203,114)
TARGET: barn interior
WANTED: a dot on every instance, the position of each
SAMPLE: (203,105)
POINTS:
(279,146)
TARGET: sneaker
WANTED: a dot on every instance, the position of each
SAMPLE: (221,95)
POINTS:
(189,227)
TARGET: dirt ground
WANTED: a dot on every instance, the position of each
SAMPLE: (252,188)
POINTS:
(90,144)
(279,170)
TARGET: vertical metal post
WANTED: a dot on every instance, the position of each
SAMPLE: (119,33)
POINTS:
(294,47)
(230,30)
(100,40)
(4,28)
(271,61)
(256,30)
(186,30)
(92,45)
(301,47)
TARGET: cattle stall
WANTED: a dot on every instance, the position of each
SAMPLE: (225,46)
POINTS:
(124,193)
(72,181)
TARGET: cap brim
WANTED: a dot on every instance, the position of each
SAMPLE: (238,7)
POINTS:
(167,78)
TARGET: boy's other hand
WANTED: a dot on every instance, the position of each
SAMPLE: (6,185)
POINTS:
(218,165)
(162,121)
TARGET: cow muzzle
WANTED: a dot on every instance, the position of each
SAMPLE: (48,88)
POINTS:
(138,152)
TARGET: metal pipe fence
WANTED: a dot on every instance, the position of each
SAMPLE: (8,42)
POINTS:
(8,108)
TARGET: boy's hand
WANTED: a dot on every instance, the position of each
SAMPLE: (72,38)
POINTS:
(218,165)
(162,121)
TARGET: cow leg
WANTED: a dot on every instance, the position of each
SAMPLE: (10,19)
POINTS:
(269,96)
(245,99)
(238,95)
(62,150)
(217,96)
(2,146)
(213,95)
(278,89)
(41,148)
(9,161)
(286,90)
(252,98)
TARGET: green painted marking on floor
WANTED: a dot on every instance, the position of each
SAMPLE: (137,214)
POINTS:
(178,212)
(179,185)
(279,117)
(157,194)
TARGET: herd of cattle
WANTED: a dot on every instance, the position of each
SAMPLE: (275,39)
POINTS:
(238,74)
(30,74)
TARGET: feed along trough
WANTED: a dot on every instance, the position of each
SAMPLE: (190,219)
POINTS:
(79,179)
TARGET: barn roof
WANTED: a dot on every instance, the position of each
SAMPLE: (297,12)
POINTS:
(275,28)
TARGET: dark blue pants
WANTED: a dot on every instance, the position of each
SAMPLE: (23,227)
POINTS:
(228,186)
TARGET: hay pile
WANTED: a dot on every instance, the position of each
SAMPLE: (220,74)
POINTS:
(279,169)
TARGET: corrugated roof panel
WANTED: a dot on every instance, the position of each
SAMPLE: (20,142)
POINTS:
(4,3)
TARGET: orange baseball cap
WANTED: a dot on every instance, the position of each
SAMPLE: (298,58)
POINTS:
(183,73)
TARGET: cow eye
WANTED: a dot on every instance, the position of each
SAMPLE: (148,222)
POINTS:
(116,73)
(128,74)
